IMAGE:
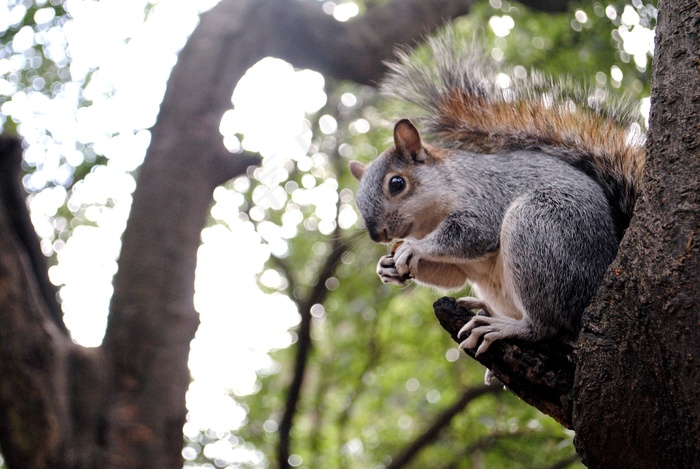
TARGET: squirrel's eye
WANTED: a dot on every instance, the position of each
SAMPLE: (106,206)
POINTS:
(396,185)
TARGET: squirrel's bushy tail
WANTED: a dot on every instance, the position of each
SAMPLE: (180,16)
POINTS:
(472,105)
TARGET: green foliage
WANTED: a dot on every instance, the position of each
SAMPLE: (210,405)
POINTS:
(31,59)
(588,42)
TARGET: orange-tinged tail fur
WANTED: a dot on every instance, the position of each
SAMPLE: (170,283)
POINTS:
(472,105)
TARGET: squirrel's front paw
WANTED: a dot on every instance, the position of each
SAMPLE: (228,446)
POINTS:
(406,259)
(386,269)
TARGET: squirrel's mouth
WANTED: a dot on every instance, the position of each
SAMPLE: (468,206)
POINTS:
(406,232)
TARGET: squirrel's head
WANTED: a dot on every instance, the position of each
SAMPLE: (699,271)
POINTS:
(402,193)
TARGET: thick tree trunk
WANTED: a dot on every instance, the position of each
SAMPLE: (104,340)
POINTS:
(636,389)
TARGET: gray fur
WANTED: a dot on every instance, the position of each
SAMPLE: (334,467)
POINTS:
(524,199)
(548,223)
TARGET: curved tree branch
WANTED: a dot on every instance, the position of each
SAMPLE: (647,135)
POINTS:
(541,373)
(441,421)
(304,344)
(12,195)
(487,442)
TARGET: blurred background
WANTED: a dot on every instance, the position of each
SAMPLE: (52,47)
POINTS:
(81,83)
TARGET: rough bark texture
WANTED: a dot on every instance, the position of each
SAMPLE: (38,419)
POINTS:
(637,382)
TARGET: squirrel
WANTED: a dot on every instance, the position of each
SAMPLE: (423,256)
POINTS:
(525,193)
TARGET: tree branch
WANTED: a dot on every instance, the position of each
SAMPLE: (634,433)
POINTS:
(549,6)
(317,295)
(541,373)
(441,421)
(33,398)
(12,195)
(487,442)
(227,166)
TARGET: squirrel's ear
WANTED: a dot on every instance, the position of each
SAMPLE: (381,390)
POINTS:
(407,140)
(357,169)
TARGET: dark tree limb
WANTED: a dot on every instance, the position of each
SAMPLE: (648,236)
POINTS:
(30,345)
(550,6)
(487,442)
(50,388)
(317,295)
(541,374)
(441,421)
(13,196)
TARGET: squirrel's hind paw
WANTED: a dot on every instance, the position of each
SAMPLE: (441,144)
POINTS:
(490,329)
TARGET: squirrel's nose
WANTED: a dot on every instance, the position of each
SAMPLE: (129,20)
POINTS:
(379,236)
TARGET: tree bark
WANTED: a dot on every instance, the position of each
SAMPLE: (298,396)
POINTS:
(636,387)
(32,396)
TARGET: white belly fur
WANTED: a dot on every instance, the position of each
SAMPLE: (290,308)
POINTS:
(488,282)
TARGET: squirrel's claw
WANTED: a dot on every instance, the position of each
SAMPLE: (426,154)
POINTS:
(476,330)
(480,326)
(471,302)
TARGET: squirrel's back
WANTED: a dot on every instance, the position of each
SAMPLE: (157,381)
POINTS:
(471,105)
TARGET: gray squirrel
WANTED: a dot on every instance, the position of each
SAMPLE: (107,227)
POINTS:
(525,194)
